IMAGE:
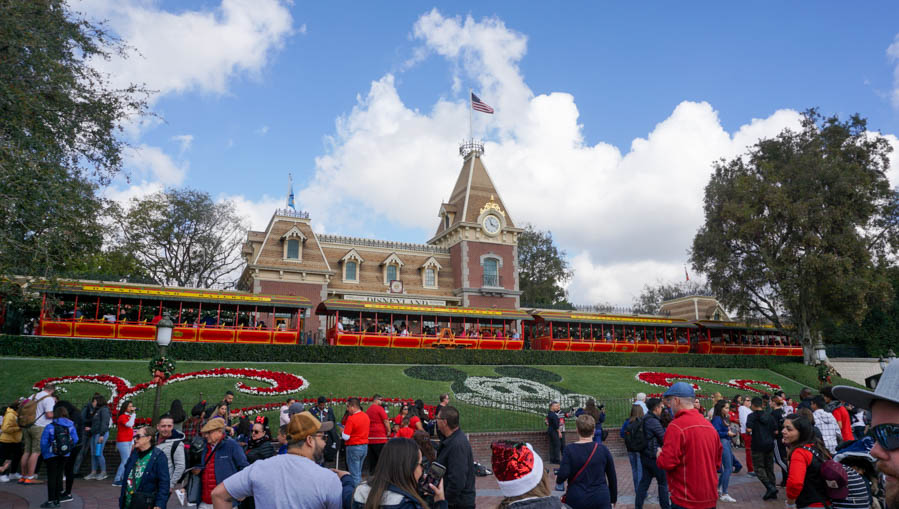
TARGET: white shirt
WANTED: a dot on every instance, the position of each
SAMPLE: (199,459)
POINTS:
(43,407)
(285,417)
(744,412)
(287,481)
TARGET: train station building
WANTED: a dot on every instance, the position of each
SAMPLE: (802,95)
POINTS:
(470,261)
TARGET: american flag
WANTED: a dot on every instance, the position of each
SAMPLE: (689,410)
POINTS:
(478,105)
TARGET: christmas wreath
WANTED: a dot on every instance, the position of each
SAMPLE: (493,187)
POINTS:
(161,368)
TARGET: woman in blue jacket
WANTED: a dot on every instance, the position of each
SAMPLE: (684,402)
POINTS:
(589,469)
(56,463)
(145,481)
(720,420)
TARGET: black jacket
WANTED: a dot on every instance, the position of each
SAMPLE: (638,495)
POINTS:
(763,428)
(655,435)
(264,451)
(458,482)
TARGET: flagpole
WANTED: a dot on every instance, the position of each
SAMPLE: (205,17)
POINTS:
(470,108)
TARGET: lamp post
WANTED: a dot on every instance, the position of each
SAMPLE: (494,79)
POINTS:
(163,338)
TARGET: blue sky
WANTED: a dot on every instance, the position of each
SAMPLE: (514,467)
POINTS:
(259,88)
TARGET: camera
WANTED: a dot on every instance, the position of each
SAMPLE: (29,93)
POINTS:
(432,475)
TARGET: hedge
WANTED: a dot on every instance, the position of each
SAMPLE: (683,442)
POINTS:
(78,348)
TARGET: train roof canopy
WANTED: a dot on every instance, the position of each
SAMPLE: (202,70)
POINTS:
(102,289)
(332,305)
(576,316)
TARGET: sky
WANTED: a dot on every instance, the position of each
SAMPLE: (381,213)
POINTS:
(608,117)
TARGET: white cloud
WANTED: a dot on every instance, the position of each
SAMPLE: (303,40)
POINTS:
(184,141)
(256,212)
(262,131)
(145,161)
(192,50)
(893,54)
(302,29)
(627,218)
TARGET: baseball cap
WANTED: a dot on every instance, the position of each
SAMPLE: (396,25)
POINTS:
(680,390)
(304,424)
(295,408)
(887,390)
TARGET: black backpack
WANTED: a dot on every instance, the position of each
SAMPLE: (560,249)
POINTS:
(634,436)
(62,441)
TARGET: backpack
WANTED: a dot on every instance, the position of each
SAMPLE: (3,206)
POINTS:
(634,436)
(858,492)
(62,444)
(836,480)
(28,412)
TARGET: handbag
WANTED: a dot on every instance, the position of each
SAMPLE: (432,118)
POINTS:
(141,500)
(565,496)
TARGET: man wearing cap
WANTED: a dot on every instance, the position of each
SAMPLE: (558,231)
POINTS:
(884,406)
(222,458)
(293,480)
(691,453)
(323,413)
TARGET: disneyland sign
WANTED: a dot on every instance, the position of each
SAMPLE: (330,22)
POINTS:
(395,300)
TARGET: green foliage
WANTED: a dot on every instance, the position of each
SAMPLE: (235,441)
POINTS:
(58,135)
(437,373)
(528,373)
(182,237)
(877,332)
(76,348)
(542,269)
(800,227)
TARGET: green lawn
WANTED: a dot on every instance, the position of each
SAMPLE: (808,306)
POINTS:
(612,385)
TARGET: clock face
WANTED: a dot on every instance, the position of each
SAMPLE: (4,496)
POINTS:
(492,224)
(396,286)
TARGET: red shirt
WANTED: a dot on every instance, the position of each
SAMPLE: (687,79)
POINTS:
(691,455)
(377,433)
(842,417)
(405,432)
(208,474)
(124,432)
(356,430)
(413,421)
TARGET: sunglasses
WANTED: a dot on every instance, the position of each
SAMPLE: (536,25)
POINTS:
(138,437)
(887,435)
(257,431)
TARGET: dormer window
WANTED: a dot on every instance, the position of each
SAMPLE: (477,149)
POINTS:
(429,271)
(446,221)
(392,266)
(293,241)
(351,262)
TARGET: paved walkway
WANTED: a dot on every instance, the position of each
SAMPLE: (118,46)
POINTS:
(102,495)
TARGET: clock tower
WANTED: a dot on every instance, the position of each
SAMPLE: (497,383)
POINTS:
(481,237)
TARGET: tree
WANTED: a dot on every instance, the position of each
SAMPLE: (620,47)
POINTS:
(878,331)
(182,238)
(543,270)
(59,120)
(651,298)
(800,228)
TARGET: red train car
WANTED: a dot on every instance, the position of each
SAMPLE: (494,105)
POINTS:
(735,338)
(575,331)
(94,309)
(360,323)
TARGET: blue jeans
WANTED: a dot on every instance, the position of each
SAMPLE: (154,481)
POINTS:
(636,467)
(727,465)
(124,449)
(355,458)
(98,461)
(650,471)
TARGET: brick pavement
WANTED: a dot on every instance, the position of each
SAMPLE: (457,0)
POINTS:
(102,495)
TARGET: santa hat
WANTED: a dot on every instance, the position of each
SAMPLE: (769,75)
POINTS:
(517,467)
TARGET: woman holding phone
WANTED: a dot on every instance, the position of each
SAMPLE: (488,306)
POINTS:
(397,481)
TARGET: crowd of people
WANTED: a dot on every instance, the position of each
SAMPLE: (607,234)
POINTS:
(837,449)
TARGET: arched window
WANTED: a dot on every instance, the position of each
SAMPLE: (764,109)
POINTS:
(351,271)
(392,273)
(293,249)
(491,272)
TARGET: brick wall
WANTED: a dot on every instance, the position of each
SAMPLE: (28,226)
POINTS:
(311,291)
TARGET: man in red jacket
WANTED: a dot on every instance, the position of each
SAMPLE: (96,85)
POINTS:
(691,454)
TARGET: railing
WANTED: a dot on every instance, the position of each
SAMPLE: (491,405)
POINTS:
(299,214)
(492,280)
(385,244)
(469,146)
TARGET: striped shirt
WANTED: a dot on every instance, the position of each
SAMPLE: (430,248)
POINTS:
(859,493)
